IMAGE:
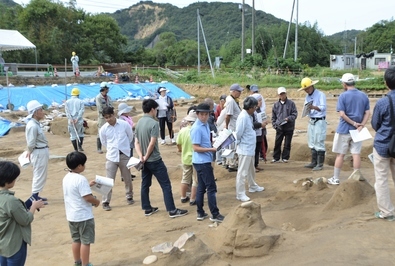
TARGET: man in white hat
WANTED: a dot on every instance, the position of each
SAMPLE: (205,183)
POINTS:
(184,145)
(354,111)
(284,114)
(102,100)
(75,109)
(315,104)
(37,149)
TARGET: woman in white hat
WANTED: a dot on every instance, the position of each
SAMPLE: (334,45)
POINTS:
(37,149)
(124,114)
(165,105)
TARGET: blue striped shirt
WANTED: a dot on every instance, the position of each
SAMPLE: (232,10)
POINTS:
(381,123)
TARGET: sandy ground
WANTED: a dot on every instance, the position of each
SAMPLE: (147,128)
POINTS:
(332,226)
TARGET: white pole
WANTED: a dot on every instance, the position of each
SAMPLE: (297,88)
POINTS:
(296,30)
(253,28)
(242,31)
(198,40)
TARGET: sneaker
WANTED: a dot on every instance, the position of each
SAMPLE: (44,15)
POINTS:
(256,189)
(106,206)
(177,213)
(275,161)
(219,218)
(219,163)
(243,198)
(185,200)
(99,151)
(285,160)
(78,263)
(163,142)
(333,181)
(192,203)
(201,217)
(231,169)
(379,215)
(173,141)
(151,211)
(130,201)
(80,149)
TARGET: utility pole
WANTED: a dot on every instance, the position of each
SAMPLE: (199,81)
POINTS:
(253,28)
(296,30)
(289,28)
(198,39)
(242,32)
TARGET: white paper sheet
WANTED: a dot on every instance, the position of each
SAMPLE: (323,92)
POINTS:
(362,135)
(103,185)
(23,159)
(307,108)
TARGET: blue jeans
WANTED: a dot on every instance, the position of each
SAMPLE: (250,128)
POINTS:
(18,259)
(159,170)
(206,181)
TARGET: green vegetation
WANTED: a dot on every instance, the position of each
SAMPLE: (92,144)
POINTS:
(165,35)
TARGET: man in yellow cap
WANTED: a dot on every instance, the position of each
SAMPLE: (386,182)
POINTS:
(75,109)
(315,108)
(74,62)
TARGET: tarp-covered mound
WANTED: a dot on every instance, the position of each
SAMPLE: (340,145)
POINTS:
(20,96)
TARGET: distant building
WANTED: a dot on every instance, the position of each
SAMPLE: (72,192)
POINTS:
(372,60)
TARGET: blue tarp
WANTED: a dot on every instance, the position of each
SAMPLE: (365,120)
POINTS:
(20,96)
(4,126)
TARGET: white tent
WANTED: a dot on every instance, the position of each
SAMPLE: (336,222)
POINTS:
(11,40)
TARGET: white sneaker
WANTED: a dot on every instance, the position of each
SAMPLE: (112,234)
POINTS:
(173,141)
(285,160)
(163,142)
(256,189)
(333,181)
(243,198)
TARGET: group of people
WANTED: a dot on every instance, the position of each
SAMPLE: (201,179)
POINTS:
(121,137)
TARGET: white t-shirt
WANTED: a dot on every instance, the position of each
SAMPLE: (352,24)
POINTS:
(75,187)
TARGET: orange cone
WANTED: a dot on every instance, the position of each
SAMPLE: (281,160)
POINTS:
(55,72)
(116,79)
(137,79)
(150,79)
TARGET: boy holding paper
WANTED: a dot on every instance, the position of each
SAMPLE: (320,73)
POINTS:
(78,200)
(354,110)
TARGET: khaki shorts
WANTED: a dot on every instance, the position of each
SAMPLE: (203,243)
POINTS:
(187,175)
(83,232)
(343,142)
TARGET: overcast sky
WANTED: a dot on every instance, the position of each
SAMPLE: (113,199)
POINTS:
(332,16)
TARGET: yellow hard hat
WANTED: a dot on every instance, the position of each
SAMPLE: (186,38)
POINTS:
(75,92)
(73,53)
(306,83)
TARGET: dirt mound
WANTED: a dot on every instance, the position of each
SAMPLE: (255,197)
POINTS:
(244,233)
(196,253)
(350,193)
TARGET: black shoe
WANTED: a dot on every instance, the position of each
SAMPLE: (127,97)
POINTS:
(177,213)
(130,201)
(106,206)
(185,200)
(192,203)
(151,211)
(219,218)
(232,169)
(201,217)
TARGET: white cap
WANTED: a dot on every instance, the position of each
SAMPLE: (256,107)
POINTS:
(33,105)
(103,84)
(192,116)
(348,78)
(281,90)
(123,108)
